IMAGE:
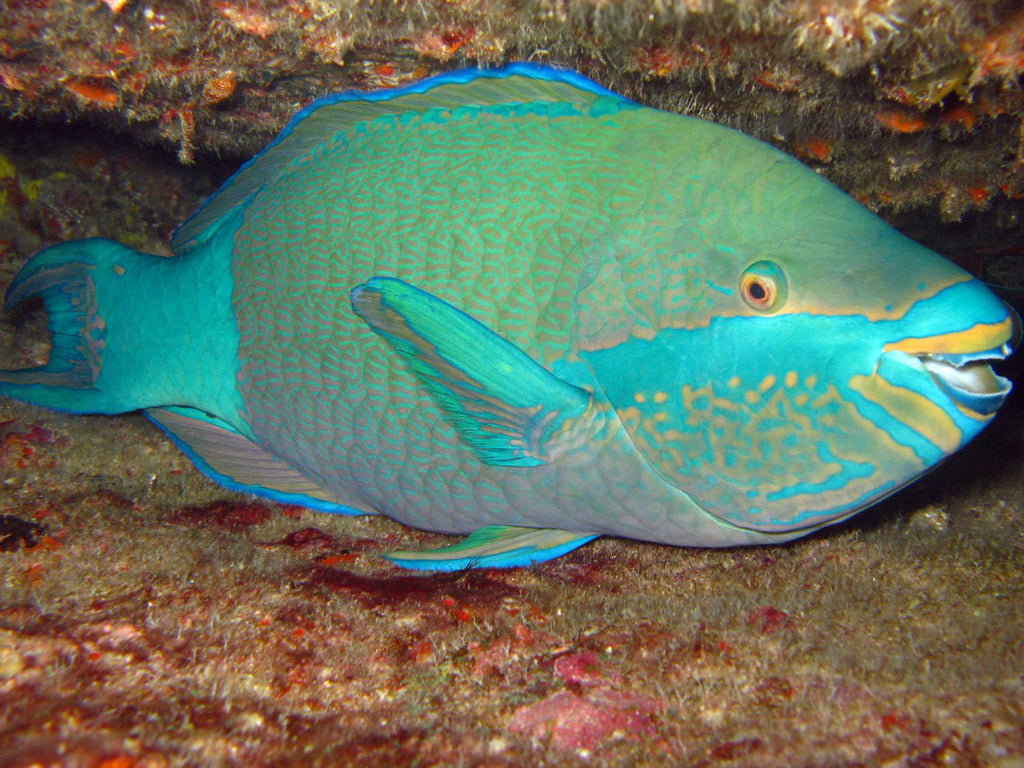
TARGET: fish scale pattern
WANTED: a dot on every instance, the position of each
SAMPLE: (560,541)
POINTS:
(490,212)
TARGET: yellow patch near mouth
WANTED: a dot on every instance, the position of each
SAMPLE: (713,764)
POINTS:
(977,338)
(913,409)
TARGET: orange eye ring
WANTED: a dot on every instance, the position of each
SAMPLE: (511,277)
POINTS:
(763,286)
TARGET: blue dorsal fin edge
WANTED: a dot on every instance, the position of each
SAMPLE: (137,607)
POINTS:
(541,72)
(252,175)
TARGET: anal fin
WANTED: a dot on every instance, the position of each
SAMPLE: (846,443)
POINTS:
(496,546)
(236,462)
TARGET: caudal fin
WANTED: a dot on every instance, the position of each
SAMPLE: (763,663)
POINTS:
(65,277)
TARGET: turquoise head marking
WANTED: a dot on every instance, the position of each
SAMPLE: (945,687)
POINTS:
(791,359)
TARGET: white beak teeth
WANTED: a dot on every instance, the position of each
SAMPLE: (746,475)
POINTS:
(975,377)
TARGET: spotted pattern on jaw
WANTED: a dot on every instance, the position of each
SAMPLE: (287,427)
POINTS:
(720,441)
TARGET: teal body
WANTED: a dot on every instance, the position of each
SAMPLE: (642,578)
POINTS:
(512,302)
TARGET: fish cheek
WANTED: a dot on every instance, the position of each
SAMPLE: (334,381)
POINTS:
(758,437)
(779,454)
(604,318)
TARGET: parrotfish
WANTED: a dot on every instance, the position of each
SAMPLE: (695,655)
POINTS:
(513,304)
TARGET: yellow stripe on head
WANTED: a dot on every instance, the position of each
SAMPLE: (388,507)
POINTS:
(977,338)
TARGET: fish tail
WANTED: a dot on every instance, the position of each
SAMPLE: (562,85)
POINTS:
(76,282)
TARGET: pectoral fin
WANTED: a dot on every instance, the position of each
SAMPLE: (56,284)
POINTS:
(496,546)
(509,409)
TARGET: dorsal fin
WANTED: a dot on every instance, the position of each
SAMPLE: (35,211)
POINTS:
(517,83)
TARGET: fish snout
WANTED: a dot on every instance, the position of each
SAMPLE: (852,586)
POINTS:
(961,362)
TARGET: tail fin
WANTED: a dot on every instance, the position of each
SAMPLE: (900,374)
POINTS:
(66,277)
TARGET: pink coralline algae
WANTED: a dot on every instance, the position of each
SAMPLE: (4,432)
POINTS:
(584,721)
(583,668)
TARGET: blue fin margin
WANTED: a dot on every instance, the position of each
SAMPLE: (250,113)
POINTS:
(201,436)
(495,546)
(220,444)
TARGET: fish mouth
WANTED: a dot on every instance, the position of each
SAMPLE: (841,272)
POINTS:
(967,376)
(969,379)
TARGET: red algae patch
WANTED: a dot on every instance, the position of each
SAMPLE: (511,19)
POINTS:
(732,750)
(451,591)
(307,539)
(583,668)
(768,619)
(229,515)
(36,434)
(23,446)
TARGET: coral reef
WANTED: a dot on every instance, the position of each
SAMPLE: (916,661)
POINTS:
(903,102)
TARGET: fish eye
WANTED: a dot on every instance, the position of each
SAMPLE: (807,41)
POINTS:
(763,286)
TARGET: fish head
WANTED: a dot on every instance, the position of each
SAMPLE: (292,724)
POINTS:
(796,375)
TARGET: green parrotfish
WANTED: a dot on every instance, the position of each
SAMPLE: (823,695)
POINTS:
(511,303)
